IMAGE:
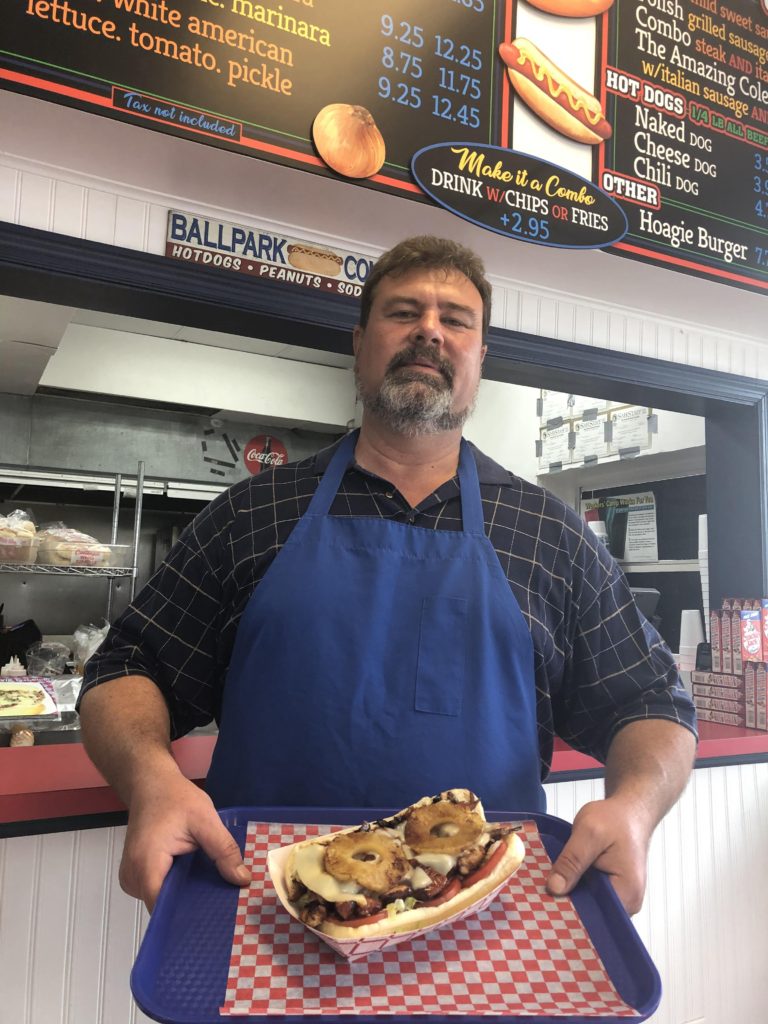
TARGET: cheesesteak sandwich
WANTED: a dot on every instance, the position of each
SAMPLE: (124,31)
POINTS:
(407,872)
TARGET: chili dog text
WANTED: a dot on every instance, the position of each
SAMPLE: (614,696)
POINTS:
(403,873)
(554,96)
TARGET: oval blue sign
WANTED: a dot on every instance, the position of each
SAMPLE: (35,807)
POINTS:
(519,195)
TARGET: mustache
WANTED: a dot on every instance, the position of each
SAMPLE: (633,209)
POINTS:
(417,353)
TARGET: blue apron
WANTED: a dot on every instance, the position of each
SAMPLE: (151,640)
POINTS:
(378,662)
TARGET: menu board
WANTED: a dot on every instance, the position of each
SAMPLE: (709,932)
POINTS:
(254,76)
(636,126)
(687,97)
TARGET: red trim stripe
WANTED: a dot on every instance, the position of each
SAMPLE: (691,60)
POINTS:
(680,262)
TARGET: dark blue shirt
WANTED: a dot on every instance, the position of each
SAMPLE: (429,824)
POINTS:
(598,663)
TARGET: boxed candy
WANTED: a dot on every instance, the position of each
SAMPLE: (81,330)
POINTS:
(751,638)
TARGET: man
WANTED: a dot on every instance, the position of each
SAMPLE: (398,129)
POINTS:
(395,616)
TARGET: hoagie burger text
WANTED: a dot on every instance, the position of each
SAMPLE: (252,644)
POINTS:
(554,96)
(408,872)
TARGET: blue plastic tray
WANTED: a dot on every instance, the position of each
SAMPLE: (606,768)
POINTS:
(180,974)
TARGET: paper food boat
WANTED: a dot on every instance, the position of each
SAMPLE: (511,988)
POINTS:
(358,949)
(26,697)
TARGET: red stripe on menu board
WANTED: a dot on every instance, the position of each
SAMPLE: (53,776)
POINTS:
(265,147)
(603,60)
(309,159)
(603,93)
(62,90)
(505,86)
(664,258)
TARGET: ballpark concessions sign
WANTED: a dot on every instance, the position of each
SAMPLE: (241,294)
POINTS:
(263,254)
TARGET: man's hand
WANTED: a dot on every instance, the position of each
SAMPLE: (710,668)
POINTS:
(611,836)
(126,731)
(648,765)
(170,816)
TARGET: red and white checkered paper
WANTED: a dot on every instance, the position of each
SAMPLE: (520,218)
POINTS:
(527,953)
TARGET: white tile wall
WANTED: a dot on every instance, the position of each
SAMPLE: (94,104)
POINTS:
(706,907)
(68,935)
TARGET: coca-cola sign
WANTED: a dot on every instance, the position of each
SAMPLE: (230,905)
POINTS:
(262,452)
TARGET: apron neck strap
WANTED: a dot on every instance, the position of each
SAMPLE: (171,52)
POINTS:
(328,488)
(331,479)
(471,502)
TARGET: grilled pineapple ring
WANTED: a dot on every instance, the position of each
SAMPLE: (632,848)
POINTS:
(373,860)
(443,827)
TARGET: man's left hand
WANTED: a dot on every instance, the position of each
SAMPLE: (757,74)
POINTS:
(610,835)
(648,764)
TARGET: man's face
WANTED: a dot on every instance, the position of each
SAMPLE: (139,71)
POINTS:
(418,360)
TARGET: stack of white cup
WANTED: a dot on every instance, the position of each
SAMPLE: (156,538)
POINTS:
(704,570)
(691,635)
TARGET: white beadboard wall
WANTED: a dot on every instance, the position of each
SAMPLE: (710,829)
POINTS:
(59,199)
(68,935)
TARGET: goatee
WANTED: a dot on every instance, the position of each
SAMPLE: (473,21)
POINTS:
(412,402)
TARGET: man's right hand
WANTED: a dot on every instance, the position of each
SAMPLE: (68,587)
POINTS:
(126,731)
(169,816)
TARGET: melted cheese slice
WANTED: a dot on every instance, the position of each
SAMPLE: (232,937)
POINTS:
(309,868)
(442,862)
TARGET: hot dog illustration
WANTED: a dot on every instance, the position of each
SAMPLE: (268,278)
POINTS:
(572,8)
(552,95)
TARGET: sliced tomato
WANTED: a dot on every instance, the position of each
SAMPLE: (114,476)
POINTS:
(486,867)
(451,890)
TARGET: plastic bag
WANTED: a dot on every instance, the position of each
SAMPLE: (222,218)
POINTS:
(61,545)
(85,641)
(18,537)
(47,658)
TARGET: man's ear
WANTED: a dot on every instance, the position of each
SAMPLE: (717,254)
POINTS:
(483,351)
(357,337)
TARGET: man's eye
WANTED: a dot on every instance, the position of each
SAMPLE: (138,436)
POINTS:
(452,322)
(402,314)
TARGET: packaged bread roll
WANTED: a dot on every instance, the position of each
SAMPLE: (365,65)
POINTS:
(18,538)
(60,545)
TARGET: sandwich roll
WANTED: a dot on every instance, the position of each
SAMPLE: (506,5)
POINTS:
(314,260)
(572,8)
(406,873)
(552,95)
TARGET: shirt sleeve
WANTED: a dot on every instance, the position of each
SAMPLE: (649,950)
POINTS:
(619,670)
(171,632)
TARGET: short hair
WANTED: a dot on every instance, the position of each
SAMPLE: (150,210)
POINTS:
(427,252)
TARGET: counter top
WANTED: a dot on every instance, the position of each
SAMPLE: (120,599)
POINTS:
(53,782)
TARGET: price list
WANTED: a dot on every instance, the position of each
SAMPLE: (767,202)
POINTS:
(687,93)
(436,76)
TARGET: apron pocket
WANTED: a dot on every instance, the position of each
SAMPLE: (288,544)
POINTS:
(441,667)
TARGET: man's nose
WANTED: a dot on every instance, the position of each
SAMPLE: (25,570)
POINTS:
(429,328)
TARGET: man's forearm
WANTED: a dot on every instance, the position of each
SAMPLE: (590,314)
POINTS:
(649,762)
(126,732)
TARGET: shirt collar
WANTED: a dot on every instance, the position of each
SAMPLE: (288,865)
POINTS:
(488,471)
